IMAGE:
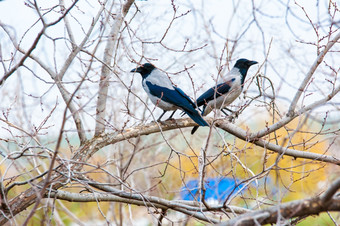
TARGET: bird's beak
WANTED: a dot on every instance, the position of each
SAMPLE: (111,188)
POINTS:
(137,69)
(252,63)
(134,70)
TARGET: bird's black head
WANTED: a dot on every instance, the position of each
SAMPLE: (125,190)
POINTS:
(144,69)
(243,65)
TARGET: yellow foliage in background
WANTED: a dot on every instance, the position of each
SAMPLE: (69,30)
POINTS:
(288,180)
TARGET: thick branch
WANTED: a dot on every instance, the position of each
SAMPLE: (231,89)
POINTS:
(143,200)
(331,191)
(246,136)
(290,210)
(67,97)
(58,78)
(287,211)
(105,73)
(107,139)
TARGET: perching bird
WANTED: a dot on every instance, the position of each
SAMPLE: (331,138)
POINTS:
(228,88)
(166,96)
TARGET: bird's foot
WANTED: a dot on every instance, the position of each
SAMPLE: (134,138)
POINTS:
(236,114)
(233,116)
(161,122)
(231,119)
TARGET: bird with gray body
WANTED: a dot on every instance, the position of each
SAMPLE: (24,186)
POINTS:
(166,96)
(228,88)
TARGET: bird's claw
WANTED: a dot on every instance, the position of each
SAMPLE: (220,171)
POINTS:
(231,119)
(161,122)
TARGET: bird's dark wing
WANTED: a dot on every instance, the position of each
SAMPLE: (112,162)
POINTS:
(209,95)
(176,97)
(185,96)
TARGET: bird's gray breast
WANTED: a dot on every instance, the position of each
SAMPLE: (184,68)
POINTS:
(226,99)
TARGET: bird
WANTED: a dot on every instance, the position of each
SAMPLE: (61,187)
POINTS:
(166,96)
(228,88)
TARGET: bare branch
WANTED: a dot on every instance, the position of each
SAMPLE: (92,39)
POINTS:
(288,118)
(34,44)
(246,136)
(22,60)
(334,187)
(105,72)
(310,73)
(78,48)
(142,200)
(106,139)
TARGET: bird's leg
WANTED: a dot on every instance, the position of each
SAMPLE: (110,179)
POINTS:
(202,112)
(229,110)
(235,113)
(224,112)
(159,119)
(172,115)
(231,117)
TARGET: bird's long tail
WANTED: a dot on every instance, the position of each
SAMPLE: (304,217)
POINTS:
(194,115)
(196,127)
(194,130)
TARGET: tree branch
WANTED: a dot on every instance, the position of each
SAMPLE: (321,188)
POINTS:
(325,197)
(105,71)
(310,73)
(34,44)
(78,48)
(288,118)
(246,136)
(189,208)
(111,138)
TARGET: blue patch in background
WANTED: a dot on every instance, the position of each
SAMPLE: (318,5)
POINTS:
(216,189)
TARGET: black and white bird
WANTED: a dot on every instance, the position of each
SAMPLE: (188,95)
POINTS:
(228,88)
(166,96)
